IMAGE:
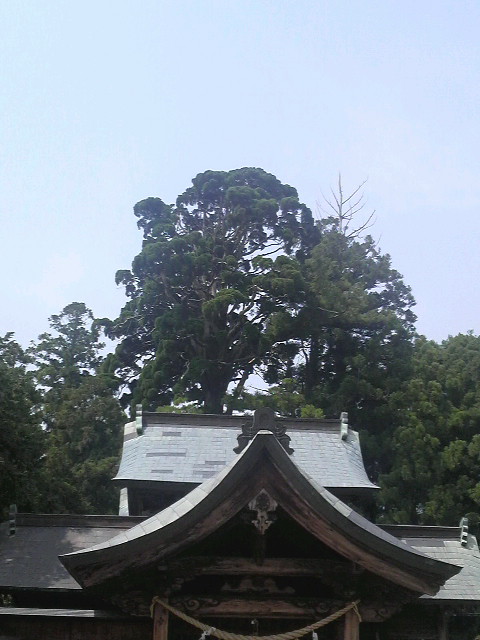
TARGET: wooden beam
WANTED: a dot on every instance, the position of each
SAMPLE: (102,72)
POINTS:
(256,608)
(160,622)
(213,565)
(280,607)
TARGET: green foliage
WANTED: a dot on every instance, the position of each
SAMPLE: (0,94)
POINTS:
(310,411)
(82,417)
(286,398)
(180,405)
(349,342)
(72,353)
(435,476)
(83,448)
(212,271)
(236,278)
(21,436)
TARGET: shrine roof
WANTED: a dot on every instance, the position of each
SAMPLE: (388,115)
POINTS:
(189,448)
(445,544)
(264,464)
(29,557)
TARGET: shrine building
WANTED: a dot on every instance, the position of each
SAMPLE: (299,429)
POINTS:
(233,527)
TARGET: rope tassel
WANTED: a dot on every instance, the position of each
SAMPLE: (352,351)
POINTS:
(226,635)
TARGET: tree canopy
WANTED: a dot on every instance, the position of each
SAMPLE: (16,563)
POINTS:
(435,472)
(237,278)
(212,271)
(82,418)
(21,436)
(348,344)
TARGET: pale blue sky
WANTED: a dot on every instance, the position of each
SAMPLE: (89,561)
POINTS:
(105,103)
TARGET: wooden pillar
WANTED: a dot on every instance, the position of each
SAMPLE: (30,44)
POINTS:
(351,626)
(443,626)
(160,622)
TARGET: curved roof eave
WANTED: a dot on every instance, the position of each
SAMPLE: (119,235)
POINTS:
(263,464)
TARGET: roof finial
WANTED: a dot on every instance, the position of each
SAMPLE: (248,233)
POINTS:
(464,532)
(263,420)
(12,518)
(344,425)
(139,419)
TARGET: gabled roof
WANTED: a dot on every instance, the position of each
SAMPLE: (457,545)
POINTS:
(189,448)
(264,464)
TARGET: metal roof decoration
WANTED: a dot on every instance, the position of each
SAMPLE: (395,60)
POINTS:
(263,420)
(262,511)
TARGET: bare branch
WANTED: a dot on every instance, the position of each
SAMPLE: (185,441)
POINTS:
(347,208)
(366,225)
(362,184)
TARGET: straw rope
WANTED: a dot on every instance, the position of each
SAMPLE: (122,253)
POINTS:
(226,635)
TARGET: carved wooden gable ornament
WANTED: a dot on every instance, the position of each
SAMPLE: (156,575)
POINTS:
(263,420)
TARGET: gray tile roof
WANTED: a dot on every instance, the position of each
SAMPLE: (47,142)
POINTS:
(61,613)
(444,546)
(180,448)
(29,559)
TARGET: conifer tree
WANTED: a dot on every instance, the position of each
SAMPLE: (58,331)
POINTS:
(348,344)
(21,435)
(82,418)
(435,473)
(211,272)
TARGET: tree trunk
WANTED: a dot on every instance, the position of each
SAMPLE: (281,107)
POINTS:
(214,389)
(237,391)
(311,369)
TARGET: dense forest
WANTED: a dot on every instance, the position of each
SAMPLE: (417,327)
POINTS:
(238,279)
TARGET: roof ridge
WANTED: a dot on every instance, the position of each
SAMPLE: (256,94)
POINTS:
(422,531)
(72,520)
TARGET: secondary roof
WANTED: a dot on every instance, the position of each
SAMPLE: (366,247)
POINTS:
(189,448)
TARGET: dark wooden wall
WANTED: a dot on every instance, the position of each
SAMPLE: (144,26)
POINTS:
(43,628)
